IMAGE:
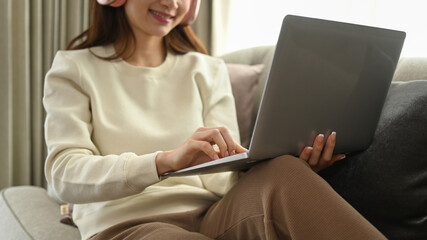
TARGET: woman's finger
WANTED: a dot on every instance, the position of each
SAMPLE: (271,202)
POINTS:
(240,148)
(306,153)
(328,151)
(231,148)
(213,136)
(317,150)
(203,146)
(338,157)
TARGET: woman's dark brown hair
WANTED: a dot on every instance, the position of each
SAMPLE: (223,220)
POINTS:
(109,25)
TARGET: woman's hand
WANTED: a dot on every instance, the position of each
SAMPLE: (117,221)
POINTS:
(199,148)
(321,156)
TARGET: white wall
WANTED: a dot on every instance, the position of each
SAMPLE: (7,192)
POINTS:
(257,22)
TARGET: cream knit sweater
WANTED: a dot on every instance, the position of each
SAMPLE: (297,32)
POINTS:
(107,120)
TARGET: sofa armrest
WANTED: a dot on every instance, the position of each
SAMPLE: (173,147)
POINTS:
(28,212)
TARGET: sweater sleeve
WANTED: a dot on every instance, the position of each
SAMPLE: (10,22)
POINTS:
(220,110)
(74,168)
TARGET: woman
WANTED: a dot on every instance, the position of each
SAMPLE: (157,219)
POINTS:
(135,98)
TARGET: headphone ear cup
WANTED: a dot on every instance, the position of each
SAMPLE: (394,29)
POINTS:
(192,13)
(118,3)
(112,3)
(105,2)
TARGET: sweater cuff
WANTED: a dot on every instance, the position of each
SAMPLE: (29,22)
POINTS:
(141,171)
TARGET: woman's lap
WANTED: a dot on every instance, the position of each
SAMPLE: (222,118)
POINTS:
(294,202)
(167,226)
(277,199)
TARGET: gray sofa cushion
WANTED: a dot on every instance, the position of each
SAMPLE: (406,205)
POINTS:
(387,183)
(29,213)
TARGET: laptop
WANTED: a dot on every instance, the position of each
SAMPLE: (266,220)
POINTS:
(325,76)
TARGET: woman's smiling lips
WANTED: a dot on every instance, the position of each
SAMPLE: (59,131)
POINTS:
(161,16)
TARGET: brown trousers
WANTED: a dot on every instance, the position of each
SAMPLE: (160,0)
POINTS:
(278,199)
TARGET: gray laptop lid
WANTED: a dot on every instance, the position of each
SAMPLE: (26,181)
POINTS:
(325,76)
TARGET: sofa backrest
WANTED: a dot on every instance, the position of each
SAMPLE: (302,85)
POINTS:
(411,68)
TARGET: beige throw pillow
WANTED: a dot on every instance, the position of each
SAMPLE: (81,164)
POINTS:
(244,82)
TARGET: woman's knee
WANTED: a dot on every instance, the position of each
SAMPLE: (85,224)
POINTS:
(282,165)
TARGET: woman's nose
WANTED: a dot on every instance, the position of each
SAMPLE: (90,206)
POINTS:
(171,4)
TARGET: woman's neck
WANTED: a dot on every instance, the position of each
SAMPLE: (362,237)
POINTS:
(149,52)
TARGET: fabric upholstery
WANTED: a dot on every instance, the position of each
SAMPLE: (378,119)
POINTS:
(387,183)
(244,83)
(411,69)
(10,225)
(29,213)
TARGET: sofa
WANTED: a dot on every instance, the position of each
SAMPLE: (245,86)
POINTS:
(387,183)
